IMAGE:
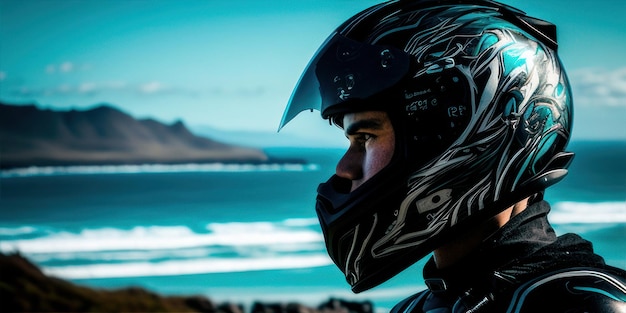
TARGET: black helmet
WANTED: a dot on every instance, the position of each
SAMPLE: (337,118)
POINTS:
(481,109)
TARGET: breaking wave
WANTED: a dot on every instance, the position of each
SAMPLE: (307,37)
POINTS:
(170,250)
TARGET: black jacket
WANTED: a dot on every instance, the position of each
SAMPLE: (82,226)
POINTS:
(524,267)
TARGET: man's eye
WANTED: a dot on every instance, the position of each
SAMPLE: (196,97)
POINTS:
(362,138)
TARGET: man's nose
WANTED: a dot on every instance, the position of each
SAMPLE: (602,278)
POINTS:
(351,165)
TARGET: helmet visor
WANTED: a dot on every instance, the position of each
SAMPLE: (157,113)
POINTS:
(343,74)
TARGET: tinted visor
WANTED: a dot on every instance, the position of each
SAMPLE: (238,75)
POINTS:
(343,75)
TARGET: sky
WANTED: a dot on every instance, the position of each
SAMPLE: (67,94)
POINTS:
(231,65)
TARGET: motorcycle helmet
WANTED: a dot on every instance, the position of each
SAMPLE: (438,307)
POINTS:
(481,109)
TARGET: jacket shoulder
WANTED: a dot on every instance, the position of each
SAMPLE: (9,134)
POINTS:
(573,290)
(412,304)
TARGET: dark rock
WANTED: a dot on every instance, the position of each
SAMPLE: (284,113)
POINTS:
(338,305)
(25,288)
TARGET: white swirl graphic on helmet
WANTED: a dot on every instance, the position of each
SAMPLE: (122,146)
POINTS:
(515,112)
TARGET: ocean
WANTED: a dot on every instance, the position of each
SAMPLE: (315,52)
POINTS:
(243,233)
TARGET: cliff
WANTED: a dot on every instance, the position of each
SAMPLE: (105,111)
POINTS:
(24,288)
(30,136)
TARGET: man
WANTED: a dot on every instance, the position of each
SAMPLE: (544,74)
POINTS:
(458,114)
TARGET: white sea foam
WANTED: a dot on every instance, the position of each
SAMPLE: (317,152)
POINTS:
(155,168)
(123,256)
(588,213)
(241,227)
(187,267)
(17,231)
(163,238)
(301,222)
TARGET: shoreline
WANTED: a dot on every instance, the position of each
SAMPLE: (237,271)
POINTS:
(72,163)
(213,167)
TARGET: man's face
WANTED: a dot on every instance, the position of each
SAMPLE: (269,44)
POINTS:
(372,143)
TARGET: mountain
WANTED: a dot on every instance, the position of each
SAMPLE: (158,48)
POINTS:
(30,136)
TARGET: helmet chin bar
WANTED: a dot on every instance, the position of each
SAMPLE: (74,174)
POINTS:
(359,227)
(349,220)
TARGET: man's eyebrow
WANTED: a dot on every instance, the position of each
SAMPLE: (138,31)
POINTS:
(372,124)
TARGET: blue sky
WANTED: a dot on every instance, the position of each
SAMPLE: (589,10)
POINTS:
(231,65)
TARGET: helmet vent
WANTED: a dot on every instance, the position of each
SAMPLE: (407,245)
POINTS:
(434,200)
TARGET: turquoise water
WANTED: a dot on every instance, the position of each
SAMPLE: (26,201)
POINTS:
(242,233)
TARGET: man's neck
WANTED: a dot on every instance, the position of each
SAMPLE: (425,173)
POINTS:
(456,249)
